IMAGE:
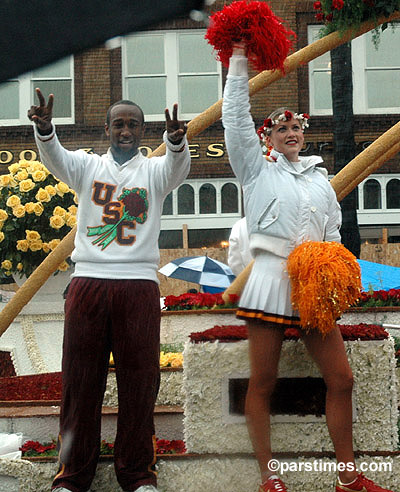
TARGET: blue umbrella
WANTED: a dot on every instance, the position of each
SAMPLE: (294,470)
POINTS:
(376,276)
(200,270)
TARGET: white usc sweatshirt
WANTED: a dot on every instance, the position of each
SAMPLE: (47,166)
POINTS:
(120,207)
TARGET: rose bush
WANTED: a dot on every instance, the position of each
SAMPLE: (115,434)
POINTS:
(36,212)
(339,15)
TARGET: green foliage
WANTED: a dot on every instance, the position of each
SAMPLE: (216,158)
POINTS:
(340,15)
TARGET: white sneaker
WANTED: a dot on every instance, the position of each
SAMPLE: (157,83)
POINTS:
(60,489)
(146,488)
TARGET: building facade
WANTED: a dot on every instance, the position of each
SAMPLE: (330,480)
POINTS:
(172,62)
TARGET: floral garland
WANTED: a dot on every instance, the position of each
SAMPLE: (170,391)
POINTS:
(266,127)
(339,15)
(185,302)
(379,298)
(233,333)
(200,300)
(35,448)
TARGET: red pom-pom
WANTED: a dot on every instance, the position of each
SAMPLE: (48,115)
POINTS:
(267,40)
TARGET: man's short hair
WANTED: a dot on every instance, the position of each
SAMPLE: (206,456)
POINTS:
(120,103)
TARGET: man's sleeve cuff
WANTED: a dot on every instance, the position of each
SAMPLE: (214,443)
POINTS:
(44,138)
(174,147)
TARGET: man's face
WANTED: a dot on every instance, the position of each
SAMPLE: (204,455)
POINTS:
(125,131)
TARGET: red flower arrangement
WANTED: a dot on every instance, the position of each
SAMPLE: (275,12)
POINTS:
(233,333)
(340,15)
(6,364)
(163,446)
(267,40)
(35,448)
(33,387)
(200,300)
(379,298)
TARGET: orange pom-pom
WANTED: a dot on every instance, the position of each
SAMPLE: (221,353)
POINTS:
(326,280)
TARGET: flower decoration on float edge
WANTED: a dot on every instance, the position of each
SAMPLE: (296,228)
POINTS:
(326,280)
(267,40)
(200,300)
(339,15)
(36,211)
(235,333)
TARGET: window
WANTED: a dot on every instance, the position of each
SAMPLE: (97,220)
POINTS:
(17,95)
(229,198)
(372,194)
(185,200)
(167,206)
(376,75)
(208,199)
(393,193)
(164,67)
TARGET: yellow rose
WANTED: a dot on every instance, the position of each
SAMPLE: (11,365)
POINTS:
(42,195)
(62,188)
(54,243)
(20,266)
(22,245)
(3,215)
(46,248)
(73,209)
(14,168)
(35,245)
(71,221)
(19,211)
(177,361)
(50,190)
(13,201)
(29,207)
(38,175)
(5,180)
(26,185)
(59,211)
(2,236)
(6,265)
(164,359)
(8,273)
(56,221)
(36,166)
(24,163)
(21,175)
(63,267)
(32,235)
(38,208)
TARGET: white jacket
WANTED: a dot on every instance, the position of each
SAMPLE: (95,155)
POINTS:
(283,207)
(131,251)
(239,255)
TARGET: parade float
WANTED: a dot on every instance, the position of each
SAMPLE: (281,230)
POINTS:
(213,381)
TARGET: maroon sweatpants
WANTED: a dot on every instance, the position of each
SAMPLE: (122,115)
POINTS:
(103,315)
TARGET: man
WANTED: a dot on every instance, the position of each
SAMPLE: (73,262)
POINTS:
(113,302)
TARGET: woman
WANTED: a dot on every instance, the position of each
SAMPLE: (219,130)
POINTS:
(287,201)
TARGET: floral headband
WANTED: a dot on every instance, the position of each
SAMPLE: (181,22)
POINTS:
(266,128)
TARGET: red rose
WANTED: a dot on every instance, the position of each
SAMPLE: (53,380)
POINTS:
(134,204)
(319,16)
(317,5)
(288,115)
(306,116)
(329,17)
(338,4)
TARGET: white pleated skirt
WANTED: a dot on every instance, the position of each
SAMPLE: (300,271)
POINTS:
(267,293)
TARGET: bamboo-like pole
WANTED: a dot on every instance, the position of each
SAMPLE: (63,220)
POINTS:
(196,126)
(368,161)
